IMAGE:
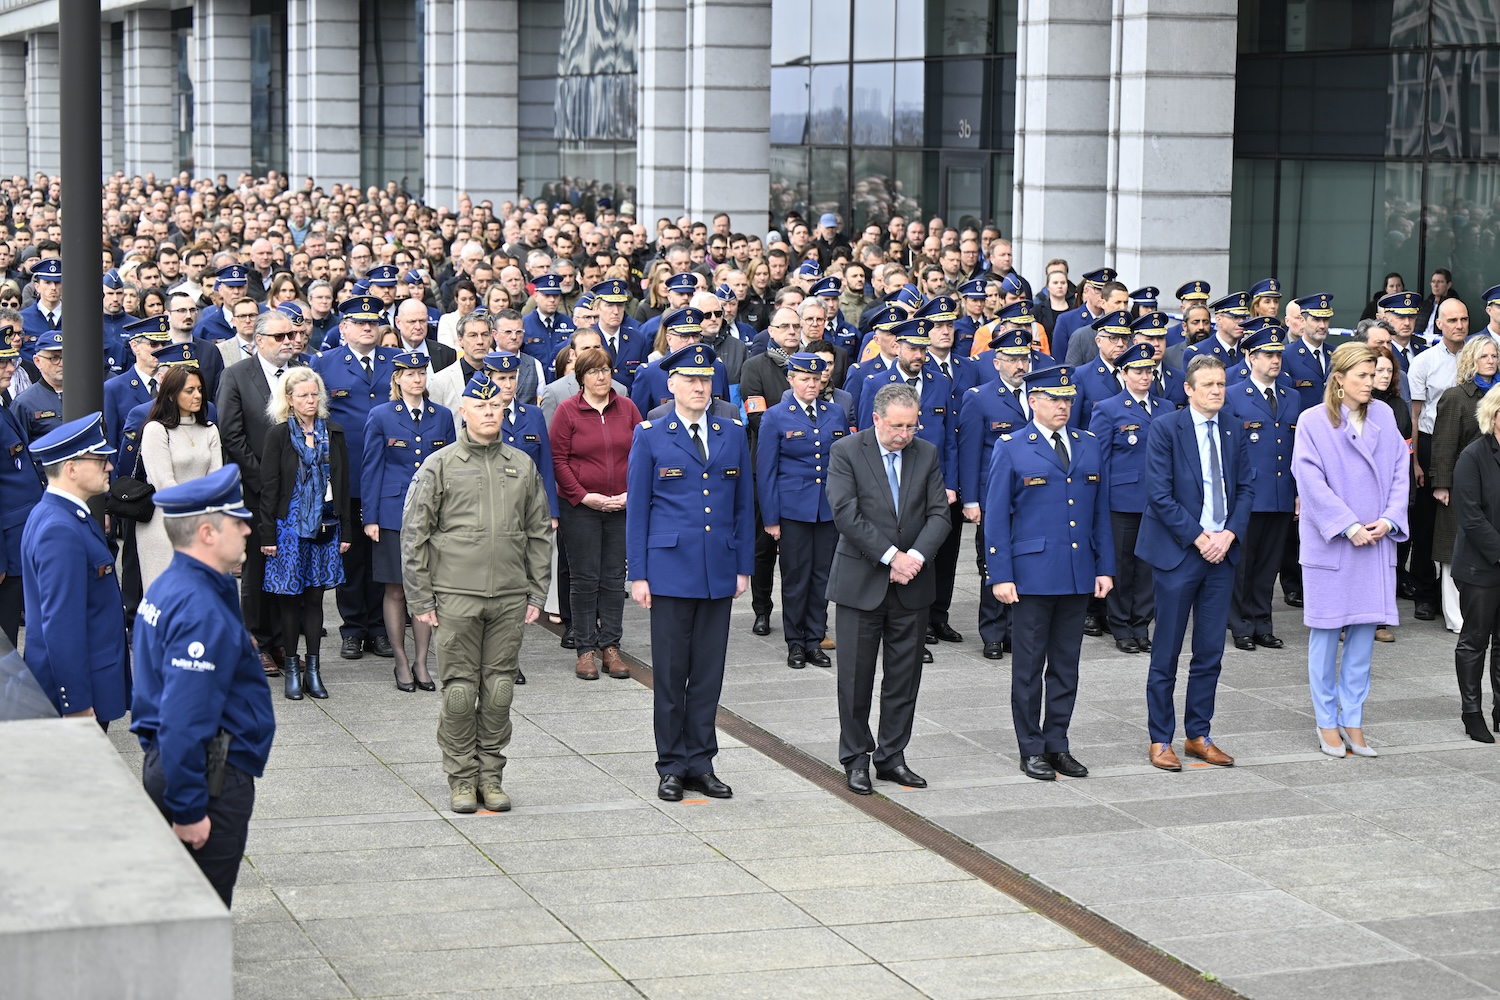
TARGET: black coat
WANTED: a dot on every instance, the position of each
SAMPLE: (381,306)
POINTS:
(278,472)
(1476,504)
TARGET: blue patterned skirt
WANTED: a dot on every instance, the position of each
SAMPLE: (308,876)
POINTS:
(301,563)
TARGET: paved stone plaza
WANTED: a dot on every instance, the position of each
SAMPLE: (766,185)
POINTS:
(1291,875)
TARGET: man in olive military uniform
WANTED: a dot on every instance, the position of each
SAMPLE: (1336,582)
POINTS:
(476,549)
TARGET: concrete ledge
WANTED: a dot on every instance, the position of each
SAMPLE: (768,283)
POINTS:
(97,898)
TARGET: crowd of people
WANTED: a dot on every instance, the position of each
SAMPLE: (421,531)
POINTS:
(462,419)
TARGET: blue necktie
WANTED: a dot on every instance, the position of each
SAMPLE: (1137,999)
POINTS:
(1215,471)
(890,474)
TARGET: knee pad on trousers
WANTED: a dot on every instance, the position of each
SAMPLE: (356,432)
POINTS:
(458,698)
(499,693)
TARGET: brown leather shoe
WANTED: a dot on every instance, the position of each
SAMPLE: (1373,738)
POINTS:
(1164,757)
(269,665)
(587,669)
(1204,749)
(827,643)
(615,663)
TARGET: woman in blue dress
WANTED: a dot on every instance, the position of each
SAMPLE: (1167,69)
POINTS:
(399,435)
(304,517)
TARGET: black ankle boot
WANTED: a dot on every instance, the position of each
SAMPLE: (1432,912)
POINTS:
(293,672)
(1474,726)
(313,679)
(1496,716)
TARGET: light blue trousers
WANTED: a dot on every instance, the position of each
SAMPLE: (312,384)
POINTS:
(1339,691)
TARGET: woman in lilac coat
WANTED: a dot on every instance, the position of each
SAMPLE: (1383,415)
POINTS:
(1350,463)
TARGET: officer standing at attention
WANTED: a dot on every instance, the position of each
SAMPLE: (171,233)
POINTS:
(1049,550)
(45,314)
(1266,411)
(75,619)
(988,411)
(116,354)
(213,322)
(679,465)
(1229,312)
(791,460)
(20,489)
(202,710)
(40,408)
(1166,381)
(137,384)
(1122,424)
(476,550)
(1309,362)
(358,377)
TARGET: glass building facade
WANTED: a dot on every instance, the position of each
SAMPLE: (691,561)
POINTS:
(1366,134)
(390,92)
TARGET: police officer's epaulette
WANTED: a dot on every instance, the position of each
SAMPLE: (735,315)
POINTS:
(646,424)
(1004,437)
(737,422)
(1089,433)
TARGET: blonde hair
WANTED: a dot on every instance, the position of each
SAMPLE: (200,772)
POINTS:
(279,406)
(1487,411)
(1347,357)
(1468,358)
(396,384)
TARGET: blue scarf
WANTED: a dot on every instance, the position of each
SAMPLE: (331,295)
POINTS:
(1485,384)
(312,476)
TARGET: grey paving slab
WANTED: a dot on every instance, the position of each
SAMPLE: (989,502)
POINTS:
(1338,864)
(869,982)
(442,895)
(1170,880)
(1474,931)
(859,904)
(295,979)
(1284,833)
(1385,981)
(740,951)
(1017,975)
(720,878)
(843,840)
(312,839)
(1185,810)
(384,865)
(535,823)
(377,934)
(1096,850)
(1283,949)
(623,850)
(1408,895)
(1230,913)
(522,965)
(842,871)
(653,918)
(958,937)
(1037,821)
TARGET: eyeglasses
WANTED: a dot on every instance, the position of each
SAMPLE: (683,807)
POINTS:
(597,371)
(10,303)
(277,336)
(719,313)
(783,326)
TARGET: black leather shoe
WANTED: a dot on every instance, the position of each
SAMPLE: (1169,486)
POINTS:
(1144,645)
(994,651)
(1093,625)
(945,632)
(858,780)
(815,657)
(1066,763)
(1005,645)
(1267,640)
(669,789)
(1294,599)
(1406,589)
(353,648)
(796,658)
(1244,642)
(406,686)
(926,655)
(568,640)
(1426,611)
(762,625)
(709,784)
(520,676)
(1038,768)
(380,646)
(931,637)
(1127,645)
(902,775)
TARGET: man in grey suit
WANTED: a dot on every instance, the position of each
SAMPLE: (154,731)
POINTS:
(886,490)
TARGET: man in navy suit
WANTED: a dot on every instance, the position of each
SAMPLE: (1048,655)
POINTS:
(1198,500)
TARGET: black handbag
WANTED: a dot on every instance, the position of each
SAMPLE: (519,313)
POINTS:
(328,528)
(130,498)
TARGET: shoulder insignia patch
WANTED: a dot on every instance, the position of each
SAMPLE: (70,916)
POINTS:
(646,424)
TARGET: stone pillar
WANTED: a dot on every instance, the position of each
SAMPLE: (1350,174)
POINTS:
(1062,133)
(150,63)
(107,151)
(221,87)
(486,98)
(1172,166)
(43,134)
(729,110)
(661,136)
(13,145)
(438,140)
(323,90)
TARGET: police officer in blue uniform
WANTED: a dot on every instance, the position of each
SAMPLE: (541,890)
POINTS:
(414,281)
(1049,550)
(1189,293)
(884,321)
(1166,381)
(791,459)
(1086,313)
(1309,362)
(45,314)
(380,280)
(623,339)
(39,408)
(202,710)
(966,326)
(1248,330)
(546,327)
(1265,298)
(1143,301)
(137,385)
(680,291)
(1267,412)
(1101,378)
(1400,310)
(116,354)
(358,378)
(941,311)
(837,329)
(1229,313)
(20,488)
(1121,425)
(523,427)
(1013,317)
(688,471)
(213,322)
(988,411)
(398,436)
(683,328)
(75,620)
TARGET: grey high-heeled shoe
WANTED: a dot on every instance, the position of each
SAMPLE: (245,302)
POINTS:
(1332,751)
(1355,748)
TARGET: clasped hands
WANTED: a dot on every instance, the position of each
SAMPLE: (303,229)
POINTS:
(1213,546)
(905,567)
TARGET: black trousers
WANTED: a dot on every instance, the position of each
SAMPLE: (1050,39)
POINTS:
(901,633)
(1423,573)
(596,538)
(1480,607)
(1255,575)
(763,578)
(994,617)
(806,555)
(361,601)
(12,603)
(945,565)
(229,823)
(689,640)
(262,620)
(1048,638)
(1131,603)
(132,588)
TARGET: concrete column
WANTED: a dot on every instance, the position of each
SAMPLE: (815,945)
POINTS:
(1172,162)
(323,90)
(43,135)
(661,136)
(438,140)
(13,146)
(729,110)
(150,63)
(1062,133)
(107,149)
(221,88)
(486,98)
